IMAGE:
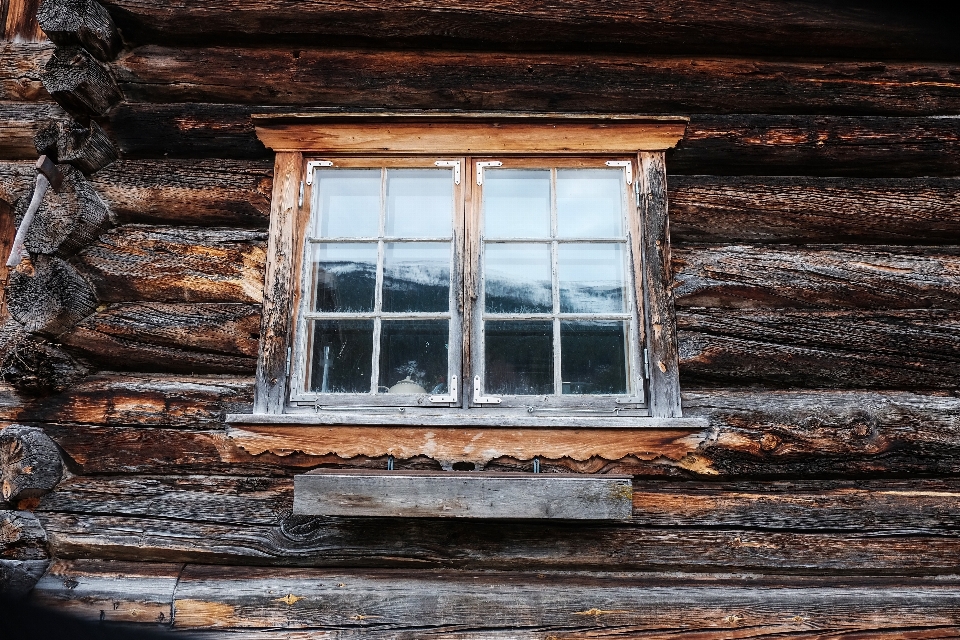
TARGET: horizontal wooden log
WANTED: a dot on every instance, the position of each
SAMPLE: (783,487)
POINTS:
(48,296)
(829,277)
(176,264)
(82,23)
(35,367)
(89,149)
(195,192)
(775,28)
(22,536)
(198,338)
(80,83)
(19,122)
(20,66)
(711,209)
(564,82)
(842,349)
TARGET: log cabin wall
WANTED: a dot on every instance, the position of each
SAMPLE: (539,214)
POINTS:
(815,219)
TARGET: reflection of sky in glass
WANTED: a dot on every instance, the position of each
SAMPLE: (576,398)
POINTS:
(419,203)
(517,278)
(516,203)
(416,276)
(348,203)
(345,276)
(592,278)
(589,203)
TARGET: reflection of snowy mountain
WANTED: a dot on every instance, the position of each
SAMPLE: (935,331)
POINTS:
(506,294)
(582,297)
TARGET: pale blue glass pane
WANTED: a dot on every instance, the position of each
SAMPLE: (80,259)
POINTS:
(593,357)
(419,203)
(516,203)
(517,278)
(348,203)
(592,278)
(414,356)
(341,356)
(416,276)
(344,276)
(590,203)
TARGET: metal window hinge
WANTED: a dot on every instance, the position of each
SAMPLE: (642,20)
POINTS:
(481,165)
(646,363)
(479,399)
(300,199)
(636,192)
(627,167)
(451,163)
(451,397)
(313,164)
(288,361)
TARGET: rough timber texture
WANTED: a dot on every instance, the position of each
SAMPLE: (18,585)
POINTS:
(83,23)
(87,149)
(80,83)
(49,297)
(20,67)
(30,463)
(36,368)
(19,122)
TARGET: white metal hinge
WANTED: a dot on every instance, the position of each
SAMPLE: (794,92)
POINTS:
(486,163)
(646,363)
(451,397)
(627,167)
(451,163)
(300,199)
(636,192)
(313,164)
(288,361)
(479,399)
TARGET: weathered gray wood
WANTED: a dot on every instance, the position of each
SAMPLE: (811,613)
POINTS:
(104,591)
(20,65)
(270,392)
(16,181)
(17,577)
(441,494)
(831,277)
(663,377)
(83,23)
(48,296)
(80,83)
(30,463)
(22,536)
(176,264)
(756,209)
(914,349)
(35,367)
(87,149)
(19,122)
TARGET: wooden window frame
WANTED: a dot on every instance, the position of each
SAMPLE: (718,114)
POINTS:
(297,137)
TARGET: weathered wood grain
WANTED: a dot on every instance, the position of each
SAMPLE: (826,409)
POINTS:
(17,577)
(19,122)
(89,149)
(195,192)
(564,81)
(82,23)
(48,296)
(21,536)
(16,181)
(30,463)
(176,264)
(20,66)
(828,277)
(80,83)
(914,349)
(190,338)
(793,28)
(36,367)
(712,209)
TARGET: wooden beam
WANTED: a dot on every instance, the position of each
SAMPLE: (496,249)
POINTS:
(30,464)
(80,83)
(81,23)
(87,149)
(48,296)
(19,122)
(36,368)
(20,68)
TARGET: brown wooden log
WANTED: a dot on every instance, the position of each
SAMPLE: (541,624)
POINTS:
(195,192)
(80,83)
(49,296)
(23,537)
(713,209)
(35,367)
(829,277)
(176,264)
(839,349)
(564,82)
(29,463)
(81,23)
(19,122)
(87,149)
(20,66)
(795,28)
(20,21)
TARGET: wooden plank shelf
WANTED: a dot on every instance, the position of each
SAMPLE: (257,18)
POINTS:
(452,494)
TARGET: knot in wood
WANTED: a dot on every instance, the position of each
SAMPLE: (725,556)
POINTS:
(769,442)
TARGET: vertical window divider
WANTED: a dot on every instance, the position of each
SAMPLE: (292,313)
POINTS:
(378,292)
(555,283)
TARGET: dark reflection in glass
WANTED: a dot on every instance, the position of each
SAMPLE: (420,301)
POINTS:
(348,202)
(344,276)
(517,278)
(518,357)
(416,276)
(590,203)
(592,278)
(414,356)
(419,203)
(593,357)
(516,203)
(341,356)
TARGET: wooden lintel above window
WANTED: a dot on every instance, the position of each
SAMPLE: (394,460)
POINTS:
(475,133)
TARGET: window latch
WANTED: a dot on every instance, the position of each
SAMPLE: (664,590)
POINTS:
(627,167)
(313,164)
(451,163)
(480,399)
(449,397)
(486,163)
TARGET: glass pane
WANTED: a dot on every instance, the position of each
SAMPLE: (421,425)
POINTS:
(518,357)
(348,203)
(419,203)
(593,357)
(517,278)
(590,203)
(414,356)
(344,276)
(416,276)
(516,203)
(592,278)
(341,357)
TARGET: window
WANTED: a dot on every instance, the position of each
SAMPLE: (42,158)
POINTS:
(468,268)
